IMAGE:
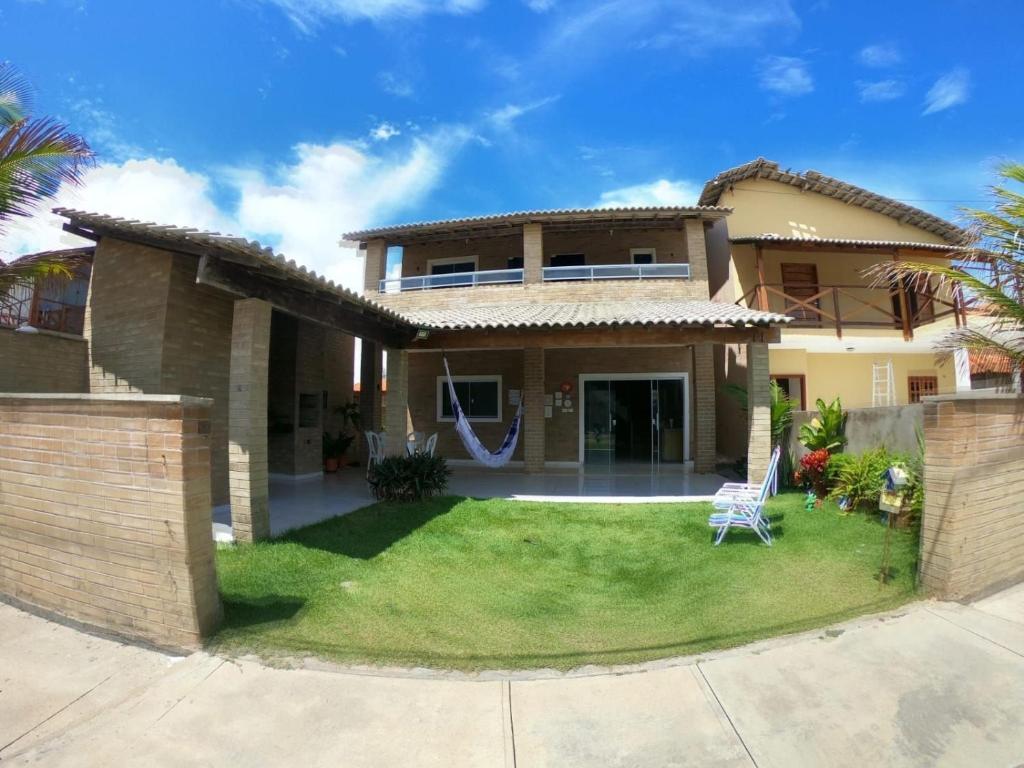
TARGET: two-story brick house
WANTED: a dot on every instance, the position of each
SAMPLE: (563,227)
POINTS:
(601,321)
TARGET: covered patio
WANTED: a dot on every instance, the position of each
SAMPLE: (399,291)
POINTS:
(296,503)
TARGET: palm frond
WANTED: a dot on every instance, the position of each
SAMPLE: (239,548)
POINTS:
(989,345)
(15,95)
(36,157)
(26,272)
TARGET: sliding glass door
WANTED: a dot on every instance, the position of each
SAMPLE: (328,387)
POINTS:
(633,421)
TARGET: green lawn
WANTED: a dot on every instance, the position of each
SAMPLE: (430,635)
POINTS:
(470,584)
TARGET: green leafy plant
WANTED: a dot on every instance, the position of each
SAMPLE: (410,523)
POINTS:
(827,430)
(781,408)
(860,479)
(409,478)
(335,447)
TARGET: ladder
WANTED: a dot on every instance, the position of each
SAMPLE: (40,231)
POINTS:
(883,384)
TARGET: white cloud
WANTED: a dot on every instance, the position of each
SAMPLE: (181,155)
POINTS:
(384,131)
(880,90)
(785,75)
(880,55)
(504,118)
(654,193)
(949,90)
(301,207)
(150,190)
(308,15)
(540,6)
(395,84)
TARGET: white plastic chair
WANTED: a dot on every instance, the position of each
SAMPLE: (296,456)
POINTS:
(375,444)
(413,442)
(431,445)
(742,506)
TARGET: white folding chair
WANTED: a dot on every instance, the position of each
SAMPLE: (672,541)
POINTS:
(431,445)
(375,445)
(742,506)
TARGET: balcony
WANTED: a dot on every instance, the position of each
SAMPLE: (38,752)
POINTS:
(584,273)
(856,306)
(452,280)
(617,272)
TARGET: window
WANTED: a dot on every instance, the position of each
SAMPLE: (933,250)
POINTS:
(515,262)
(922,386)
(568,260)
(642,255)
(479,396)
(453,266)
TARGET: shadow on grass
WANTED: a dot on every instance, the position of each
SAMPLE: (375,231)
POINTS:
(367,532)
(241,613)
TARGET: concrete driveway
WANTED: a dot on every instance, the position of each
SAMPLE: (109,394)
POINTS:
(938,684)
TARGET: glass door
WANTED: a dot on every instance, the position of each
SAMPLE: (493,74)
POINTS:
(667,416)
(598,424)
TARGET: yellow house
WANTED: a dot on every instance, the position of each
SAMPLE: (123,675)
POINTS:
(801,244)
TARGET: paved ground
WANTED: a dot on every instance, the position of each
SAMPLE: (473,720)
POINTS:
(294,503)
(936,685)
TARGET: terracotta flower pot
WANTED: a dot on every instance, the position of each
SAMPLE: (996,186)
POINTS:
(330,465)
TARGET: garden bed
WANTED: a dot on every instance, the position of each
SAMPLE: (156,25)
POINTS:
(472,584)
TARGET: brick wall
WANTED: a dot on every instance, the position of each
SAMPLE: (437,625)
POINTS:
(972,528)
(42,362)
(105,512)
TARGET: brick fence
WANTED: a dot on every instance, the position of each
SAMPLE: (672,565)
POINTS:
(972,528)
(105,514)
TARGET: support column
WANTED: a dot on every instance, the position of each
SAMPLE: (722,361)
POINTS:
(369,384)
(759,444)
(534,423)
(697,252)
(962,370)
(533,254)
(704,405)
(376,265)
(396,410)
(247,420)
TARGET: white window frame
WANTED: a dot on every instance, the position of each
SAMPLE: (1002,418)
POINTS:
(442,382)
(634,251)
(454,260)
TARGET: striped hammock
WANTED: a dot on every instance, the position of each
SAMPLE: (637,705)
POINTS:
(477,450)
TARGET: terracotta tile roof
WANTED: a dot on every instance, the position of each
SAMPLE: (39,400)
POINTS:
(846,242)
(813,181)
(230,247)
(654,214)
(673,312)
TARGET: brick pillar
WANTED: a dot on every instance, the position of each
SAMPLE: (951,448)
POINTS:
(375,266)
(369,385)
(534,423)
(533,254)
(247,420)
(704,405)
(759,445)
(697,252)
(396,412)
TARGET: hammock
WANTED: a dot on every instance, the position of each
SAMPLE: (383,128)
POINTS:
(477,450)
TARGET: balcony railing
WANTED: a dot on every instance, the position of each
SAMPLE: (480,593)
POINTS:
(617,272)
(452,280)
(856,306)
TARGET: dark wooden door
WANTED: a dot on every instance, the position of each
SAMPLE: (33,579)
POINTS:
(800,281)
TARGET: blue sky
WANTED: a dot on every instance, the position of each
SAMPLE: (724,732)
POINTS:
(295,120)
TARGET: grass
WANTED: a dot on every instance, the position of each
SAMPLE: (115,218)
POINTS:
(471,584)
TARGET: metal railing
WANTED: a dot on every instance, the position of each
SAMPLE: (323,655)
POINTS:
(617,272)
(452,280)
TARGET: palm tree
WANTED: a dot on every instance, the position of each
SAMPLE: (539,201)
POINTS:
(37,155)
(990,273)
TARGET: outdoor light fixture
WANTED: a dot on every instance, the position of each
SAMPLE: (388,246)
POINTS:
(422,334)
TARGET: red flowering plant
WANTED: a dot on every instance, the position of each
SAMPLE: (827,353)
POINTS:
(812,472)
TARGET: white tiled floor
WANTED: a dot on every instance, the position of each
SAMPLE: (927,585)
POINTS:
(294,503)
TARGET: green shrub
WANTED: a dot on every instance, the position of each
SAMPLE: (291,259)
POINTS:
(861,478)
(827,430)
(836,465)
(409,478)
